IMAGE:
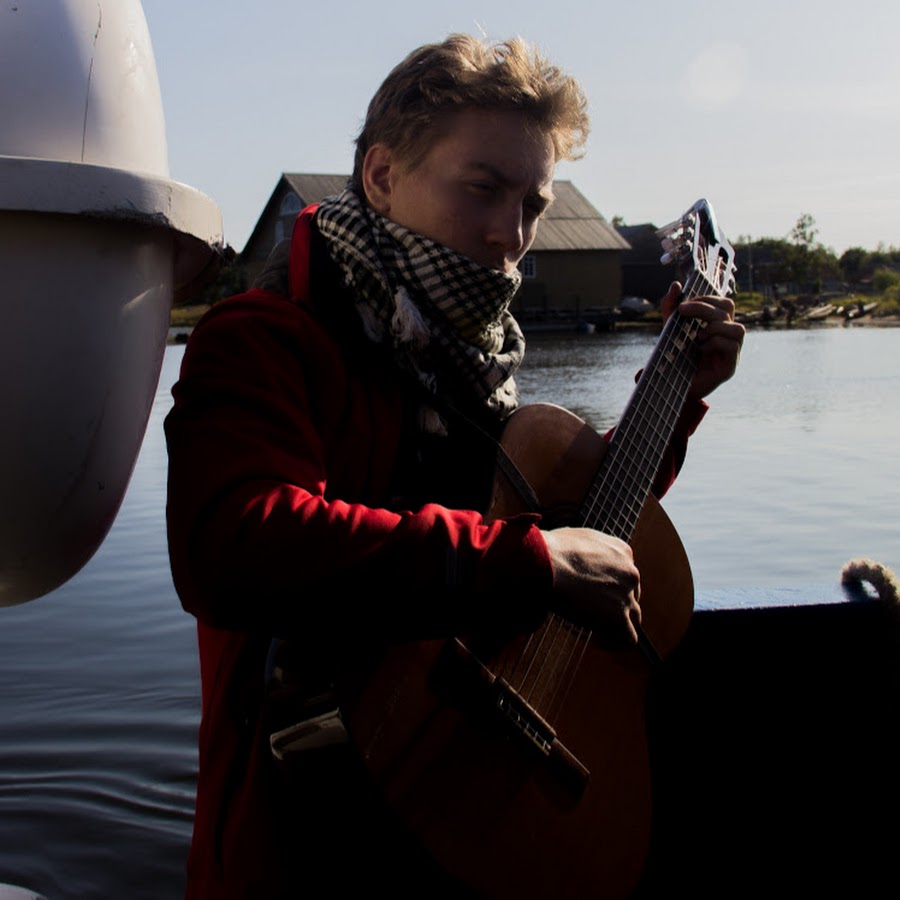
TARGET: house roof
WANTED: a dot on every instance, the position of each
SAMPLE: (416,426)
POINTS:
(308,188)
(571,223)
(313,188)
(644,241)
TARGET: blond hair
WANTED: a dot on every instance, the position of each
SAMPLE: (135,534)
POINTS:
(413,105)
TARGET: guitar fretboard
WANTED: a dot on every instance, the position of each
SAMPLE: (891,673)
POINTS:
(617,496)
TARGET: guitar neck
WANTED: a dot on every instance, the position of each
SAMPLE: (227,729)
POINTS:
(616,498)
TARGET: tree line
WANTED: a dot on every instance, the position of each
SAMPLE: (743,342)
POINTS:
(803,265)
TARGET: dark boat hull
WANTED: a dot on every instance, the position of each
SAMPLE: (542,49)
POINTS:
(775,750)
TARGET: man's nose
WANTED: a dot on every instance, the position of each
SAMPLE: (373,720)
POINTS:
(507,228)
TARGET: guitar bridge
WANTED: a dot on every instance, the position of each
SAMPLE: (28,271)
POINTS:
(475,687)
(523,718)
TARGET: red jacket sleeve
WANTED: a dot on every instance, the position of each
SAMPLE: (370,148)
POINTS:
(691,416)
(280,455)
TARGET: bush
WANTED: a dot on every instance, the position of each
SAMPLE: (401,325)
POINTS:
(884,279)
(889,304)
(750,300)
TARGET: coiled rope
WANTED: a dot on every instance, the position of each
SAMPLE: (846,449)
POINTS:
(862,572)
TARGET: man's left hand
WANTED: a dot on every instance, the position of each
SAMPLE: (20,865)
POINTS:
(719,342)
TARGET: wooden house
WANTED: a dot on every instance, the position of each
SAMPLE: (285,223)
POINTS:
(573,268)
(643,274)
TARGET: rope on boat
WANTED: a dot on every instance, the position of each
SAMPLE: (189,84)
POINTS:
(862,572)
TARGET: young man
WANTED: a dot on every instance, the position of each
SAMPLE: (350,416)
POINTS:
(328,458)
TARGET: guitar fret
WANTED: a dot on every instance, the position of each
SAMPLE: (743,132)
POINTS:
(644,433)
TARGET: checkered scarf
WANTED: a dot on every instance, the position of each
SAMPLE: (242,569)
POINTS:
(445,316)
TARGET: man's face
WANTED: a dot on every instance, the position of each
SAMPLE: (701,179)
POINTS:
(479,190)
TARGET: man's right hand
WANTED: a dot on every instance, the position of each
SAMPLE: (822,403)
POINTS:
(596,583)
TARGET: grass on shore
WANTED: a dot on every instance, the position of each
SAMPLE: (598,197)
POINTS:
(187,316)
(888,301)
(888,305)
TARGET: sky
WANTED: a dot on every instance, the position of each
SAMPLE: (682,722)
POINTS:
(770,110)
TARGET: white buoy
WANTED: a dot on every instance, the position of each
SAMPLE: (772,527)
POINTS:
(94,241)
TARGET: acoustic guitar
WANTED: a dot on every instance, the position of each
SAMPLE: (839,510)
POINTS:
(522,765)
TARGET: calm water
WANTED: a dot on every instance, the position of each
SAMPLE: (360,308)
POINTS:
(794,469)
(793,472)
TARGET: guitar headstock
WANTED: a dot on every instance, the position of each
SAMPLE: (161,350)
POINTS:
(701,252)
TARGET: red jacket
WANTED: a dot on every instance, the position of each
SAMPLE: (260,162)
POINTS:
(284,442)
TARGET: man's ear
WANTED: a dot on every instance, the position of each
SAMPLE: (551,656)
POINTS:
(376,178)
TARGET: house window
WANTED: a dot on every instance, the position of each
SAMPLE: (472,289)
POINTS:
(290,205)
(287,213)
(528,265)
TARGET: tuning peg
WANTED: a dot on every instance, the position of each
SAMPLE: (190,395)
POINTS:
(671,228)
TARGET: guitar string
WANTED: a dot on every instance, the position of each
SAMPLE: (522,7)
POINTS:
(555,671)
(561,695)
(553,679)
(511,667)
(559,643)
(612,507)
(574,665)
(529,658)
(610,496)
(548,674)
(557,682)
(532,671)
(577,648)
(536,694)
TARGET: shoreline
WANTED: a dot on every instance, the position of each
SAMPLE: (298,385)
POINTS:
(179,331)
(889,321)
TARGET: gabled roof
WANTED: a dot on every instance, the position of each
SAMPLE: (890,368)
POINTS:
(313,188)
(571,223)
(309,188)
(644,241)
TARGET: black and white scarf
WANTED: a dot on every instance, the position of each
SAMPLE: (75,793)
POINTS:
(445,317)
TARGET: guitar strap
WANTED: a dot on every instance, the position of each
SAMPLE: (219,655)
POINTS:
(517,479)
(502,459)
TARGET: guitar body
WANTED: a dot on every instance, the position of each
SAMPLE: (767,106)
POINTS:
(488,800)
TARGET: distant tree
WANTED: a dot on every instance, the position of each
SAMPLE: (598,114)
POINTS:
(883,256)
(859,265)
(811,260)
(824,264)
(231,280)
(804,231)
(802,236)
(852,262)
(617,221)
(772,260)
(743,257)
(800,263)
